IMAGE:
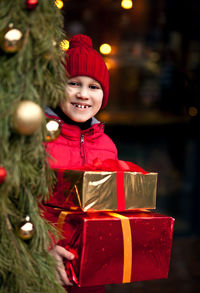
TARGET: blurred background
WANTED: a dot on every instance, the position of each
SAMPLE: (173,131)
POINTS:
(153,113)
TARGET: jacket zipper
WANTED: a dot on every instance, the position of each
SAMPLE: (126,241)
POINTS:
(82,148)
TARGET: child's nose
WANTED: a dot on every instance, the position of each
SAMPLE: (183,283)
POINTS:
(83,93)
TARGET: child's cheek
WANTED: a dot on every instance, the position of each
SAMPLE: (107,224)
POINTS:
(70,91)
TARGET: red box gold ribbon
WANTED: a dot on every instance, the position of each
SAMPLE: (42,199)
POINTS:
(116,247)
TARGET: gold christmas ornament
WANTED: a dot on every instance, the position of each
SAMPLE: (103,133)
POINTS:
(11,39)
(27,118)
(26,229)
(52,130)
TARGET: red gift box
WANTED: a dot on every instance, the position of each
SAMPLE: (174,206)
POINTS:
(116,247)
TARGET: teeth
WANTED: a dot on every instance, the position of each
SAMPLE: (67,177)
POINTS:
(81,106)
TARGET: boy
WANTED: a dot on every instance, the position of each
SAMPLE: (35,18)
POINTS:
(82,138)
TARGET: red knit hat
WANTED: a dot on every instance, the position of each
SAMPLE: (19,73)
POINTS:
(82,59)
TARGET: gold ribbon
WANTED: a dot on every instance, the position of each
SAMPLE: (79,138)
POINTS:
(127,240)
(61,219)
(78,195)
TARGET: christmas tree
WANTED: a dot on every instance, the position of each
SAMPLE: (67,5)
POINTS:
(31,77)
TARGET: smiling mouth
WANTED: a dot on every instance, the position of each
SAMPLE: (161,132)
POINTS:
(81,106)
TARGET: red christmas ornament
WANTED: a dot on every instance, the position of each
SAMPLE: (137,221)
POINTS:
(3,174)
(31,4)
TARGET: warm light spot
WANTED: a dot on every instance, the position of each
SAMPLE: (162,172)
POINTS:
(27,227)
(52,125)
(105,49)
(192,111)
(105,117)
(110,63)
(13,35)
(59,4)
(127,4)
(64,45)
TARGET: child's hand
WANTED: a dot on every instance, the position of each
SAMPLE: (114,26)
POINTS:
(59,253)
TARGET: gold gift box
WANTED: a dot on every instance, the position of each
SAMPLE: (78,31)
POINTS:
(97,190)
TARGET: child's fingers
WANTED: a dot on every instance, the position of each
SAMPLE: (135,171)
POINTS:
(58,253)
(64,253)
(63,276)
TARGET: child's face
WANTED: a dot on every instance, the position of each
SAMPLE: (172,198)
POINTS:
(84,98)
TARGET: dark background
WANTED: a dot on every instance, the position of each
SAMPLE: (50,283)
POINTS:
(153,114)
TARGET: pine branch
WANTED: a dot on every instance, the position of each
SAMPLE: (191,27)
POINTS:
(34,73)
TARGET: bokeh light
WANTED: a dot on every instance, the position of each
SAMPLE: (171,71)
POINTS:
(59,4)
(105,49)
(126,4)
(64,45)
(192,111)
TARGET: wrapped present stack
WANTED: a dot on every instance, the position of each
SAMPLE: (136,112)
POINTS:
(105,215)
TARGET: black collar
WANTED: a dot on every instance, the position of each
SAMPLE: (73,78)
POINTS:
(66,119)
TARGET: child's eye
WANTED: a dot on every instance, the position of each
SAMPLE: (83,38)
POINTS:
(94,86)
(73,83)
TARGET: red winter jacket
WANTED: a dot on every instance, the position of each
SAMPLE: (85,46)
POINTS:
(75,148)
